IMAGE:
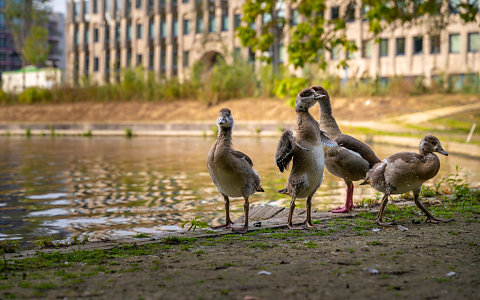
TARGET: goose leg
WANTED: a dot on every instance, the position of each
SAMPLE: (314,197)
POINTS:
(246,208)
(228,222)
(349,201)
(382,208)
(290,213)
(430,217)
(308,222)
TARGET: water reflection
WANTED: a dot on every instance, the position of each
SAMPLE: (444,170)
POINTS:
(112,186)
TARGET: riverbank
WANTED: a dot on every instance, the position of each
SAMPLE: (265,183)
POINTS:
(345,257)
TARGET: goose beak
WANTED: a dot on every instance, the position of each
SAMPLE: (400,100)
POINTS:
(319,96)
(441,151)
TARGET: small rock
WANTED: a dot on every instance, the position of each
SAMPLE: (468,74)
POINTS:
(263,273)
(451,274)
(416,221)
(376,229)
(373,271)
(400,227)
(257,224)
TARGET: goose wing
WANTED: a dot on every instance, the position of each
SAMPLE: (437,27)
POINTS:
(286,149)
(242,155)
(362,149)
(326,140)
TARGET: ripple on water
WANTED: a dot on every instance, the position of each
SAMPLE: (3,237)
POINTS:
(49,213)
(46,196)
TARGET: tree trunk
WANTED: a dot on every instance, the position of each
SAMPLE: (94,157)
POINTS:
(276,43)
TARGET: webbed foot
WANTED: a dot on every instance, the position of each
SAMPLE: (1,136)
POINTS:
(436,221)
(227,224)
(341,210)
(243,229)
(386,223)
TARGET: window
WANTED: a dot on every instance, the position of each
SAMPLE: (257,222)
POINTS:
(435,44)
(95,35)
(185,1)
(418,45)
(151,29)
(2,21)
(139,60)
(163,60)
(129,32)
(76,40)
(175,28)
(86,36)
(236,53)
(151,60)
(86,7)
(473,3)
(128,4)
(95,6)
(199,27)
(334,12)
(186,26)
(281,53)
(454,6)
(383,47)
(294,20)
(186,59)
(107,6)
(400,46)
(86,65)
(175,59)
(224,22)
(129,59)
(95,64)
(138,3)
(367,49)
(454,43)
(211,23)
(365,9)
(163,29)
(473,42)
(139,31)
(107,62)
(350,12)
(117,32)
(76,8)
(237,21)
(118,5)
(335,53)
(107,33)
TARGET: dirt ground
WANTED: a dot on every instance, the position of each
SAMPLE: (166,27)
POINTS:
(243,110)
(340,259)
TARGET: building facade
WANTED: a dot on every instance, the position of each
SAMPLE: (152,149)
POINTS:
(169,36)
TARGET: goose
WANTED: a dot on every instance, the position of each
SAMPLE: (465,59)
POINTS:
(305,148)
(351,159)
(407,171)
(231,170)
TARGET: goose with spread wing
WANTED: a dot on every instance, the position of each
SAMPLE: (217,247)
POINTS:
(231,170)
(305,149)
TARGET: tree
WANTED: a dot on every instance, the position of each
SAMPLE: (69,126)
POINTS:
(27,21)
(314,36)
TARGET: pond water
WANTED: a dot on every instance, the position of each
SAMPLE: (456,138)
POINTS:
(110,187)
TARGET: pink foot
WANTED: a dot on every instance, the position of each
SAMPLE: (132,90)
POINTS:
(341,210)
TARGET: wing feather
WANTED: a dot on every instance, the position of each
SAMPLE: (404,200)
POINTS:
(287,145)
(355,145)
(240,154)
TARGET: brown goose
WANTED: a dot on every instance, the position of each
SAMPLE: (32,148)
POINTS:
(407,171)
(306,151)
(351,159)
(231,170)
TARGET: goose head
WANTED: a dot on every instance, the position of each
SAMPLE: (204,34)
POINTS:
(225,118)
(306,99)
(430,144)
(321,91)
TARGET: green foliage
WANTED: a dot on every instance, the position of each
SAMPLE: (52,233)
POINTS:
(34,95)
(128,132)
(459,189)
(141,235)
(35,49)
(45,242)
(288,88)
(194,223)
